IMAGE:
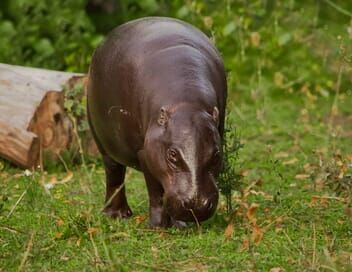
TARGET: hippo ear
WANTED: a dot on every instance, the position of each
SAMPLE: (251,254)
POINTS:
(216,116)
(163,116)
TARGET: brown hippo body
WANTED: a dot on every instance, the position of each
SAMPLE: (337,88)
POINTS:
(156,102)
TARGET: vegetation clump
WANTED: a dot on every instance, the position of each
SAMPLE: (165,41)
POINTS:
(230,178)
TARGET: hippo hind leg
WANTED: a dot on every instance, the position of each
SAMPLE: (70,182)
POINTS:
(115,201)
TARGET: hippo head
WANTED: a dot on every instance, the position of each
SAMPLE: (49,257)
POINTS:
(183,152)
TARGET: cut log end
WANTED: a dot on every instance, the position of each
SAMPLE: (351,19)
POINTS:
(19,146)
(51,123)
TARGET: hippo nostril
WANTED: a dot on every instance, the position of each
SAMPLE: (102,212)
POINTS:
(207,204)
(210,205)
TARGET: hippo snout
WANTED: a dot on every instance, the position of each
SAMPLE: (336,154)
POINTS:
(189,210)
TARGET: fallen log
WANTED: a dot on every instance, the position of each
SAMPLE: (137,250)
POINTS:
(32,113)
(18,145)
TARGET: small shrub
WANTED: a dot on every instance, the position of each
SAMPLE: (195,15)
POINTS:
(229,179)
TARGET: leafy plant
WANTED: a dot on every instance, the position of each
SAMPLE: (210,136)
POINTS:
(76,106)
(55,34)
(229,179)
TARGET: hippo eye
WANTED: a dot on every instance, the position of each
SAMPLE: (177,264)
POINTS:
(173,159)
(172,155)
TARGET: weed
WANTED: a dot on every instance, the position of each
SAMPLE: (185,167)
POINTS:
(229,179)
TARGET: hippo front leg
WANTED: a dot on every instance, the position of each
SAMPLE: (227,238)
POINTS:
(115,201)
(158,217)
(157,213)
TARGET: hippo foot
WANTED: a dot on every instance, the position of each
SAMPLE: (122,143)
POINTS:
(124,212)
(158,222)
(167,222)
(158,218)
(158,225)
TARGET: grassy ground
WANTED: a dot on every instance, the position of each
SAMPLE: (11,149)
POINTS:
(294,213)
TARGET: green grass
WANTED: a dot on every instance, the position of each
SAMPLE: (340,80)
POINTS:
(284,136)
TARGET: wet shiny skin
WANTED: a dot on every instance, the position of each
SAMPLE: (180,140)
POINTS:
(156,102)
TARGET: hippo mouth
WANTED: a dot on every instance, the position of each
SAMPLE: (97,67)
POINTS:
(191,212)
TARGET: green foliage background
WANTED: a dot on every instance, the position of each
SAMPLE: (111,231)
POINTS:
(266,44)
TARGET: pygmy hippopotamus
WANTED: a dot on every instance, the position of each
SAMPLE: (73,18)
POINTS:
(156,102)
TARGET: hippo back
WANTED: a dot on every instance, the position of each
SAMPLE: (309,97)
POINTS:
(144,65)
